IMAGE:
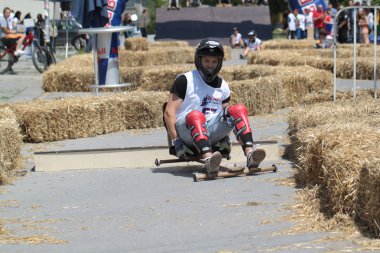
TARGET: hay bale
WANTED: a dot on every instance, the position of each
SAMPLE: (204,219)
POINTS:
(260,95)
(170,44)
(367,207)
(136,44)
(78,117)
(332,156)
(288,44)
(10,144)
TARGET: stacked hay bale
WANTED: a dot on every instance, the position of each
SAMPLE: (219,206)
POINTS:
(71,118)
(337,146)
(136,44)
(10,144)
(364,65)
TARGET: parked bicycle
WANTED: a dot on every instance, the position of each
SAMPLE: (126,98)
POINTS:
(42,57)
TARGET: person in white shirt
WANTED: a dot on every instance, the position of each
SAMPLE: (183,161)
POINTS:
(236,39)
(301,26)
(198,114)
(12,34)
(251,44)
(309,23)
(292,25)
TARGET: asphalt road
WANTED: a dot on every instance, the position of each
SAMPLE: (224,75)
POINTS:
(152,209)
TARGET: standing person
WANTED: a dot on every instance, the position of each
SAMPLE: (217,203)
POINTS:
(16,19)
(144,21)
(364,26)
(333,11)
(301,29)
(40,26)
(198,113)
(309,34)
(236,39)
(318,18)
(343,21)
(126,20)
(251,44)
(292,25)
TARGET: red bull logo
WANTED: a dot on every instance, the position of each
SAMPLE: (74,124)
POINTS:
(304,2)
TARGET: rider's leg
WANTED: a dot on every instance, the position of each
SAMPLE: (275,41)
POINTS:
(237,116)
(192,130)
(19,43)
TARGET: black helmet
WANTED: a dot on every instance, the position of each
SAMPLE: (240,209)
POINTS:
(209,48)
(252,33)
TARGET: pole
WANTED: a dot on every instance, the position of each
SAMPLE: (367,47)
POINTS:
(375,55)
(355,28)
(47,21)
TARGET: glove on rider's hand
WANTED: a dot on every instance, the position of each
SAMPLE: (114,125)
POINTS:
(179,149)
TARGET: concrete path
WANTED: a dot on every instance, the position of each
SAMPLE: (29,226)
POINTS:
(153,209)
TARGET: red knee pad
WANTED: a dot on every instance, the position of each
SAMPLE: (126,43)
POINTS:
(196,120)
(239,113)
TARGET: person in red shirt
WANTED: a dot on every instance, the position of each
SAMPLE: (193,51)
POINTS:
(318,18)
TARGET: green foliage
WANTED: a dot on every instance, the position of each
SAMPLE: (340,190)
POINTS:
(152,6)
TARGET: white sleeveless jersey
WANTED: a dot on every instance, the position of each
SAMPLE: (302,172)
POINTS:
(202,97)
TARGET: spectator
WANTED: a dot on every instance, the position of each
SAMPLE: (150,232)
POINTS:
(173,4)
(318,18)
(333,11)
(292,25)
(12,34)
(126,20)
(309,23)
(144,21)
(16,20)
(251,44)
(40,26)
(363,25)
(301,26)
(236,39)
(371,20)
(342,25)
(328,22)
(324,41)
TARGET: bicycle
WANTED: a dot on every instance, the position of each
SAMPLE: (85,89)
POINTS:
(42,57)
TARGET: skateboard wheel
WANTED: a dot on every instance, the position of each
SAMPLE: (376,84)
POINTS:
(157,162)
(195,178)
(274,168)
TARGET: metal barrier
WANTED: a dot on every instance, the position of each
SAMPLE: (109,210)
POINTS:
(335,29)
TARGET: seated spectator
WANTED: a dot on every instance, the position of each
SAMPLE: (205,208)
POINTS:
(236,39)
(325,40)
(251,44)
(173,5)
(195,3)
(12,34)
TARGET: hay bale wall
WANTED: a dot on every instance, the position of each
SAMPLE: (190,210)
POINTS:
(71,118)
(10,144)
(337,146)
(320,60)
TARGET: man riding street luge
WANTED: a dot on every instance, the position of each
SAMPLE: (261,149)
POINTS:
(198,114)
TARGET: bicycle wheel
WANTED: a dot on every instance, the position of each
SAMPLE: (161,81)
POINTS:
(6,59)
(39,59)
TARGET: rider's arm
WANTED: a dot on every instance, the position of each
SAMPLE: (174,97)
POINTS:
(172,106)
(176,97)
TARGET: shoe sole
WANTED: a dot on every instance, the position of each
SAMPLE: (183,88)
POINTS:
(215,160)
(257,157)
